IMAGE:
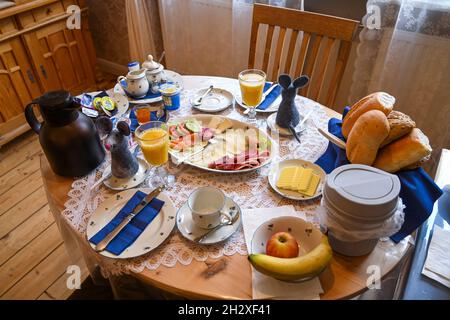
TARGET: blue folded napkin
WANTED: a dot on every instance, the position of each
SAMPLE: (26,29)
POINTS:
(134,229)
(418,190)
(271,97)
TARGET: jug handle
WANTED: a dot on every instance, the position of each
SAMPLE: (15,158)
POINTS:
(31,117)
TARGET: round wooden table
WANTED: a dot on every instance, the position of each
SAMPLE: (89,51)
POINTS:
(345,278)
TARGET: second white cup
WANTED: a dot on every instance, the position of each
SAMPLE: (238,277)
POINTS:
(206,206)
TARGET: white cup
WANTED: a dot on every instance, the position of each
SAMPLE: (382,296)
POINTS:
(206,206)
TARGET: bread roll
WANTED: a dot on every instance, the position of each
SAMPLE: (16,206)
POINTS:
(369,131)
(404,152)
(375,101)
(400,125)
(418,164)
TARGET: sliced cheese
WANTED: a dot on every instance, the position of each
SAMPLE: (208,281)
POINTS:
(304,181)
(286,177)
(312,188)
(295,178)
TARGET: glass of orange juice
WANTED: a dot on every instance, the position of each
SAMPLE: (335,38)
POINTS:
(252,86)
(153,138)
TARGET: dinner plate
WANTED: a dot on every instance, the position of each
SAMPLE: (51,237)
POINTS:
(205,120)
(172,76)
(128,183)
(275,171)
(155,233)
(190,231)
(217,100)
(272,124)
(272,108)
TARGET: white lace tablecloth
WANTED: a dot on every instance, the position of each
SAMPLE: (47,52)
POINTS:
(249,190)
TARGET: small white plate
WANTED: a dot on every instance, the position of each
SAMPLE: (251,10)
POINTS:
(275,173)
(124,184)
(171,76)
(272,124)
(217,100)
(272,108)
(190,231)
(122,104)
(119,99)
(155,233)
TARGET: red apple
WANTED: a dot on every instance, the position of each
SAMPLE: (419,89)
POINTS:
(282,245)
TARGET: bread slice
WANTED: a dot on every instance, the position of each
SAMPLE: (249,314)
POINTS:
(381,101)
(369,131)
(403,152)
(400,124)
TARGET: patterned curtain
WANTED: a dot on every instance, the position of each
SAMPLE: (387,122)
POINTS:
(408,55)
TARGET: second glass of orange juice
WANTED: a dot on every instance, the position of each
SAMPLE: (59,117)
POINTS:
(153,138)
(252,86)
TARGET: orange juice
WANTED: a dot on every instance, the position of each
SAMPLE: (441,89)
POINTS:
(155,146)
(252,87)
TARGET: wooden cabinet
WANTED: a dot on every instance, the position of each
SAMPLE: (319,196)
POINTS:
(18,83)
(38,53)
(60,57)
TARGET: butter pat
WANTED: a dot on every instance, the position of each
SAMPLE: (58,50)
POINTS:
(287,177)
(312,188)
(304,180)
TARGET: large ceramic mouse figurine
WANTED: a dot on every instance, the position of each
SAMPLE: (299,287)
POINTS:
(123,163)
(288,116)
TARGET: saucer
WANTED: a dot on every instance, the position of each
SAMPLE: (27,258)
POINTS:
(217,100)
(190,231)
(272,124)
(128,183)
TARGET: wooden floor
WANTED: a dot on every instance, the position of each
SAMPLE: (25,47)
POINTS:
(33,259)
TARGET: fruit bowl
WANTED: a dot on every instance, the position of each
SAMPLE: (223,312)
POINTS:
(314,251)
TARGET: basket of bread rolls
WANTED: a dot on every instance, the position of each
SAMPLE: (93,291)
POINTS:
(381,137)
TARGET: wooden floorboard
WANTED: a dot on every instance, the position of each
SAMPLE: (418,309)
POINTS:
(33,260)
(37,280)
(22,211)
(32,255)
(23,234)
(26,259)
(21,190)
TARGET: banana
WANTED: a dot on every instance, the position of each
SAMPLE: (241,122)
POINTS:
(290,269)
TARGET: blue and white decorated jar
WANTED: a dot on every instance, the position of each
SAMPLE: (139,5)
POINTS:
(171,96)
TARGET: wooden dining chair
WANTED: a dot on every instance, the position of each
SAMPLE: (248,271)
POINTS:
(313,39)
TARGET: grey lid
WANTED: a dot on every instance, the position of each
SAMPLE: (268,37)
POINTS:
(362,191)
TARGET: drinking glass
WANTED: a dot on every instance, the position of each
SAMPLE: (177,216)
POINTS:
(252,83)
(153,138)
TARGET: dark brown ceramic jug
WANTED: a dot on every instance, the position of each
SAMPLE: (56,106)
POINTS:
(69,139)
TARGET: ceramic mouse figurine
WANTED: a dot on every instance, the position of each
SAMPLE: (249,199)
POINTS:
(288,116)
(123,163)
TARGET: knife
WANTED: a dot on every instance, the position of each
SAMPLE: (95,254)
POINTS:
(104,243)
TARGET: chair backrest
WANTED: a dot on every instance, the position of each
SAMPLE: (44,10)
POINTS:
(313,39)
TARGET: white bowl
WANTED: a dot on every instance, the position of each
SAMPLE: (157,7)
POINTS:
(306,234)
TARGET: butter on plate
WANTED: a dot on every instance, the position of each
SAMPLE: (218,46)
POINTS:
(299,179)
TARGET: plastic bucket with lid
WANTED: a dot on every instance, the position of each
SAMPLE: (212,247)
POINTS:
(359,202)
